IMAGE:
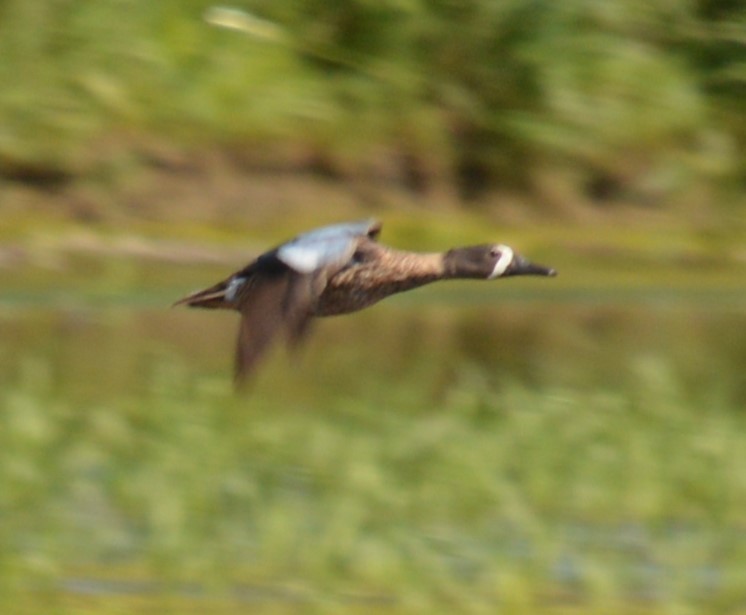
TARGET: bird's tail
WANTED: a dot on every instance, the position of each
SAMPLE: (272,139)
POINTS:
(213,297)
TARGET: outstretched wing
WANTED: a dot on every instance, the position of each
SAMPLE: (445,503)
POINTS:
(282,286)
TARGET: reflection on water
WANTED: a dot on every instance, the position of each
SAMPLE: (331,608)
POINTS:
(581,340)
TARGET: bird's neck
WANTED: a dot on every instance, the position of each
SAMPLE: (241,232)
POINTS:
(414,269)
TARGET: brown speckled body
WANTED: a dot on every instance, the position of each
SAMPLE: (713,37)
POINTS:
(376,273)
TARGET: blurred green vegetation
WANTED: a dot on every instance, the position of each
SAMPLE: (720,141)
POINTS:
(136,483)
(628,99)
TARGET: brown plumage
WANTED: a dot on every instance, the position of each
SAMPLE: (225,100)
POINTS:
(336,270)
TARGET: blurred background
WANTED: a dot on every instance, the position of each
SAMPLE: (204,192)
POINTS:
(575,445)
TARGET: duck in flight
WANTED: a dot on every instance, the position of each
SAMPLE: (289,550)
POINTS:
(335,270)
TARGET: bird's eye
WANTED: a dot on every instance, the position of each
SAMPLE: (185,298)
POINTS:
(494,252)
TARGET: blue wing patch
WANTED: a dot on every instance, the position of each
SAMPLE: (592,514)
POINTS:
(330,245)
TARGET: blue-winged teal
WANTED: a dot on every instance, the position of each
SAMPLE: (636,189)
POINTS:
(335,270)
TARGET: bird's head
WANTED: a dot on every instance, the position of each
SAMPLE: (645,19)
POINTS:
(488,262)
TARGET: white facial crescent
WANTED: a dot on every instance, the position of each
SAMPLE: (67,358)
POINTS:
(506,257)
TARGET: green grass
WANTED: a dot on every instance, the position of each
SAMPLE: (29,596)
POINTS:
(517,498)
